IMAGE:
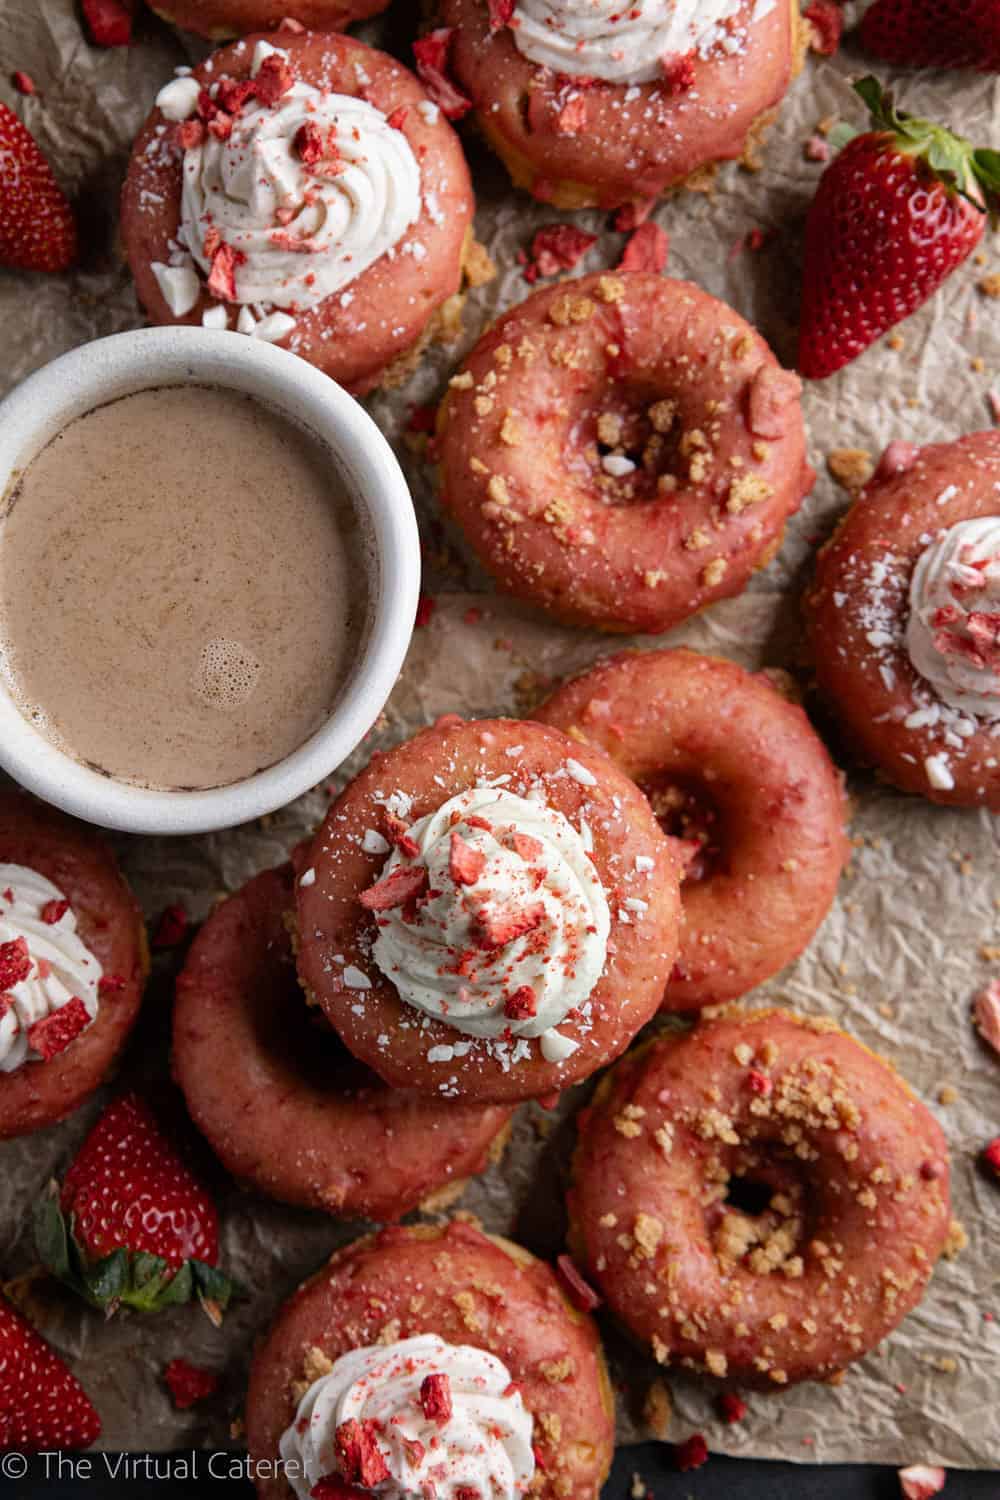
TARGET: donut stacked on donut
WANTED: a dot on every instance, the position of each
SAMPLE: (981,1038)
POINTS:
(622,450)
(282,1103)
(762,1200)
(604,104)
(904,621)
(219,19)
(490,912)
(431,1357)
(301,189)
(73,963)
(736,771)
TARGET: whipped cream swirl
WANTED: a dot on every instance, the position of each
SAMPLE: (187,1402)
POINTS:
(514,948)
(484,1446)
(306,231)
(615,40)
(62,966)
(953,630)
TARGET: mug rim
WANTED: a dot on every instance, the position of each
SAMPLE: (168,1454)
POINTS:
(107,369)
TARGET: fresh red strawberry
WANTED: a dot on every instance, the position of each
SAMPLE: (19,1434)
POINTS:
(109,21)
(934,33)
(131,1225)
(37,228)
(896,211)
(42,1406)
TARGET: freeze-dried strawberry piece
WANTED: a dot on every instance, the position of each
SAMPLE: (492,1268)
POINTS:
(54,911)
(579,1291)
(827,22)
(15,963)
(732,1408)
(522,1004)
(555,248)
(273,81)
(233,93)
(189,134)
(360,1457)
(188,1384)
(172,927)
(678,71)
(54,1033)
(920,1482)
(572,118)
(307,143)
(222,277)
(760,1083)
(431,53)
(109,21)
(501,13)
(465,864)
(397,119)
(690,1454)
(6,1004)
(435,1398)
(401,886)
(632,215)
(23,82)
(528,848)
(496,927)
(991,1156)
(398,835)
(110,984)
(647,249)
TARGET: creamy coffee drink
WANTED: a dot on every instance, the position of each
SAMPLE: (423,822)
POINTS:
(183,588)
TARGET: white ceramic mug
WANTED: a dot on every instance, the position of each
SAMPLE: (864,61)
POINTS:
(127,362)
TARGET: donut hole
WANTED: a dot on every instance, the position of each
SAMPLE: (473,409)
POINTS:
(759,1219)
(630,444)
(686,810)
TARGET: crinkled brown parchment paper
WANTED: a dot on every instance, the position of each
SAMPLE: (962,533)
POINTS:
(899,958)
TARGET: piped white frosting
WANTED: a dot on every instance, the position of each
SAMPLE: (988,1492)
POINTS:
(953,630)
(443,961)
(615,41)
(485,1445)
(62,966)
(338,221)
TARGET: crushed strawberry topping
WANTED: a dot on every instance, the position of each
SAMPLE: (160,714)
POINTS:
(522,1004)
(15,963)
(527,847)
(233,93)
(647,249)
(759,1082)
(397,834)
(579,1291)
(54,911)
(435,1398)
(732,1408)
(501,13)
(555,248)
(188,1384)
(496,927)
(465,864)
(691,1454)
(827,21)
(53,1034)
(110,984)
(189,134)
(273,80)
(678,71)
(358,1453)
(432,53)
(991,1156)
(572,118)
(400,887)
(222,277)
(23,82)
